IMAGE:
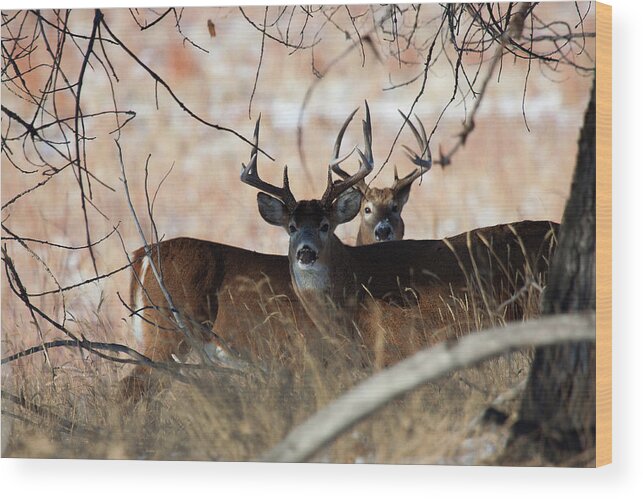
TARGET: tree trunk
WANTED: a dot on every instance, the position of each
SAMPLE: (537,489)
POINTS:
(557,420)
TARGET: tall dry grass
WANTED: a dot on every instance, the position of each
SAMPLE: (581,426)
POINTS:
(77,410)
(505,173)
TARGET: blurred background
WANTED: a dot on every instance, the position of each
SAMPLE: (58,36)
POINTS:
(308,67)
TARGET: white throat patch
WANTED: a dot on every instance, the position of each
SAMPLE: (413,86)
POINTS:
(311,277)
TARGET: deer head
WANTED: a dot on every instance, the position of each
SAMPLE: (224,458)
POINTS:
(311,224)
(381,209)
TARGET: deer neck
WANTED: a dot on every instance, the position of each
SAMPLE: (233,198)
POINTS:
(327,290)
(361,237)
(331,278)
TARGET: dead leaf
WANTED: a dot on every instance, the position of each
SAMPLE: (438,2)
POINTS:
(211,29)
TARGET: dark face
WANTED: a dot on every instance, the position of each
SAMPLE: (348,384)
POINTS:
(309,229)
(310,225)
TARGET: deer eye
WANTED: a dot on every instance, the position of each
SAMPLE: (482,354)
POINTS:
(394,208)
(324,228)
(292,229)
(367,210)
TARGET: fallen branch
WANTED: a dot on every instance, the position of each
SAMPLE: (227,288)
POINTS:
(365,398)
(65,425)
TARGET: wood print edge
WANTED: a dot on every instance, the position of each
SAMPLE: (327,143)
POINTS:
(603,234)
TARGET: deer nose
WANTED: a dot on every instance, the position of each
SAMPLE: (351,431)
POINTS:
(383,232)
(306,255)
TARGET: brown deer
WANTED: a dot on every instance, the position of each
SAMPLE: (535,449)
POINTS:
(230,298)
(321,268)
(381,208)
(338,285)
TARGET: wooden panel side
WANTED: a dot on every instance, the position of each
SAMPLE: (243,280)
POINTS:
(603,234)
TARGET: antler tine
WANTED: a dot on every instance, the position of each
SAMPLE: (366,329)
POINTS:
(368,135)
(424,161)
(335,160)
(340,135)
(287,197)
(333,190)
(255,136)
(252,165)
(250,176)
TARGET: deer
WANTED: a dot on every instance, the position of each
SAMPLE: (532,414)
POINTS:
(335,282)
(228,297)
(320,265)
(381,208)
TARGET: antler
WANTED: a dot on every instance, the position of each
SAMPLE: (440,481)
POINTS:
(334,189)
(250,176)
(424,160)
(335,160)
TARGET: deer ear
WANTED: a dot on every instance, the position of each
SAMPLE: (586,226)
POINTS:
(272,210)
(346,207)
(402,196)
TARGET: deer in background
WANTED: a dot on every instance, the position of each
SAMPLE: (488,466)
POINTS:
(335,282)
(381,209)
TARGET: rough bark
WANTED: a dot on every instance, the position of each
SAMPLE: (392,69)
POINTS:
(557,420)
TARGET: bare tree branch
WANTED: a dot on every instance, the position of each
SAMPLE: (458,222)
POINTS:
(230,360)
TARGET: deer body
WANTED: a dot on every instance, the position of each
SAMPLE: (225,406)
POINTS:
(229,292)
(411,294)
(216,288)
